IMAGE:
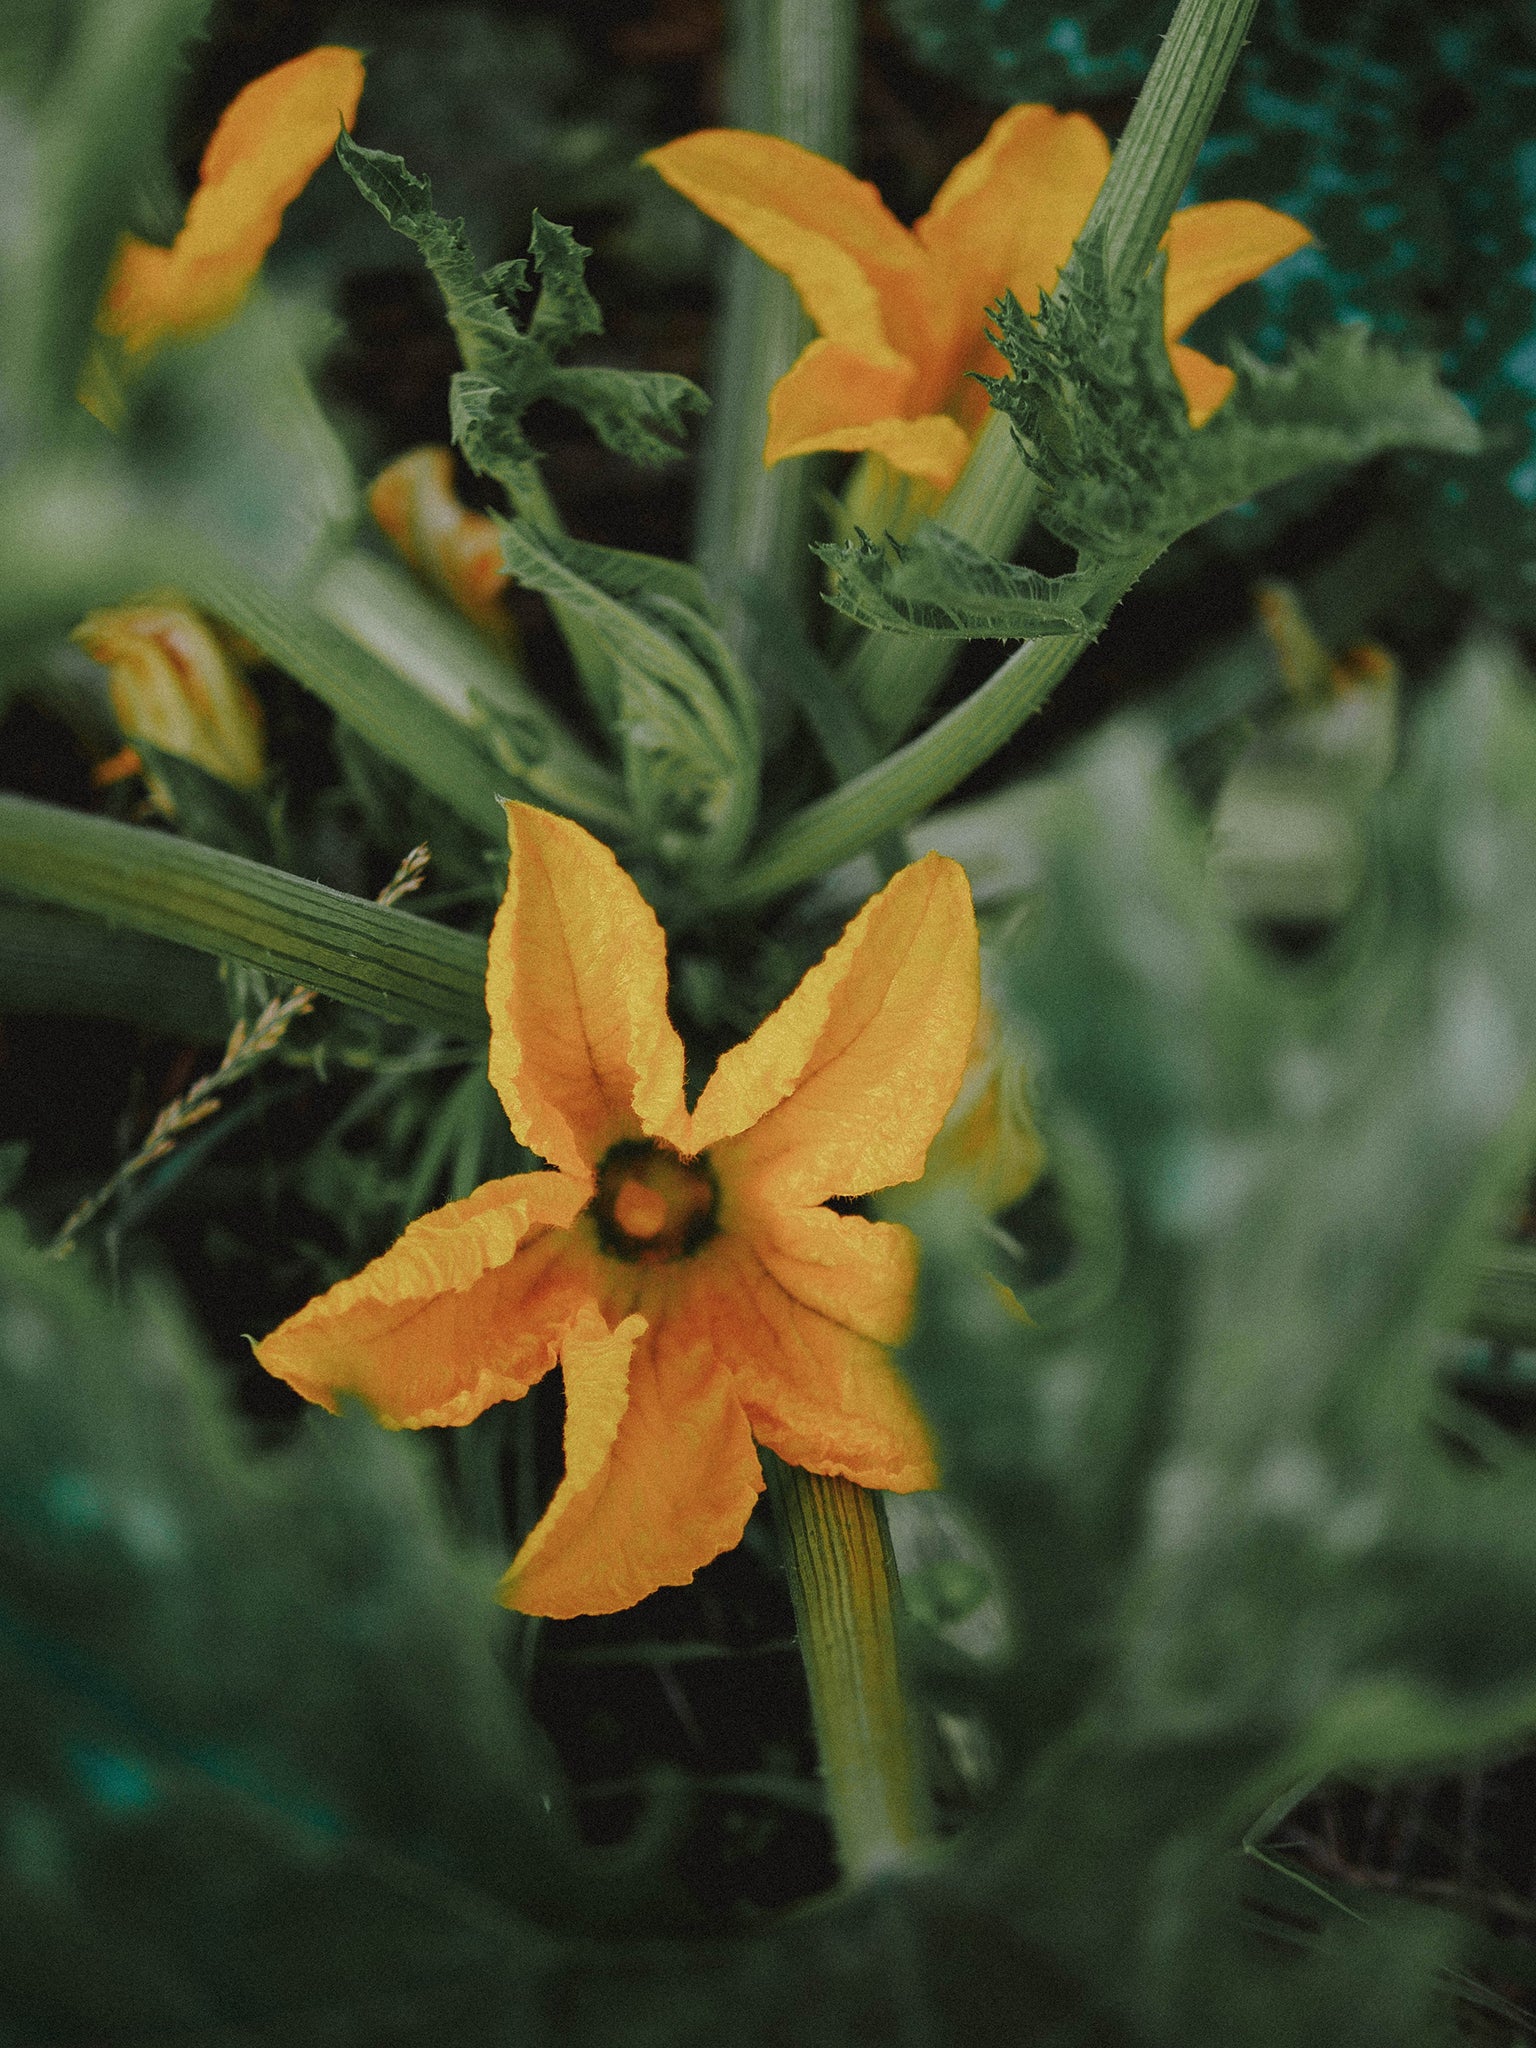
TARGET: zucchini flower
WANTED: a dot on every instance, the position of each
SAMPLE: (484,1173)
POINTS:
(900,312)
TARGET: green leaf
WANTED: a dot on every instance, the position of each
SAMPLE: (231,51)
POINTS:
(685,716)
(1099,417)
(387,961)
(640,414)
(565,310)
(262,1767)
(938,583)
(1234,1554)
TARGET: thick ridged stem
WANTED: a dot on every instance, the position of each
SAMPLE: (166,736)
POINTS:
(791,71)
(842,1579)
(383,960)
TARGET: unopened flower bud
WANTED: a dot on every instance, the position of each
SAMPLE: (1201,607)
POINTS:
(451,547)
(174,687)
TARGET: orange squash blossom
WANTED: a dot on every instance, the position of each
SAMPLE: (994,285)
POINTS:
(680,1265)
(900,312)
(271,138)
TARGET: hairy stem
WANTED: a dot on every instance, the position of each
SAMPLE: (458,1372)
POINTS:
(842,1578)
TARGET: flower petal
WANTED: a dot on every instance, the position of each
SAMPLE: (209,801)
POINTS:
(582,1051)
(270,140)
(1007,215)
(461,1311)
(860,275)
(801,1325)
(660,1474)
(835,398)
(1214,248)
(841,1090)
(1206,385)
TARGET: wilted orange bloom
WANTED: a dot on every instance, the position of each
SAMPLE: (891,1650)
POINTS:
(173,686)
(271,138)
(455,549)
(900,313)
(682,1266)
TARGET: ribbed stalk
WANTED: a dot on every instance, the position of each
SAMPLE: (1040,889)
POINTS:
(894,679)
(791,71)
(386,961)
(907,782)
(841,1578)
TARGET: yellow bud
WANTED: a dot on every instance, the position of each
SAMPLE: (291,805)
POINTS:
(451,547)
(174,687)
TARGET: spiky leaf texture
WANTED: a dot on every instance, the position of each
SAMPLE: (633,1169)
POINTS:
(640,414)
(685,715)
(1100,420)
(938,583)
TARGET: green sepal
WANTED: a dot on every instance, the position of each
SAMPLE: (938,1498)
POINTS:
(684,714)
(640,415)
(1100,419)
(938,583)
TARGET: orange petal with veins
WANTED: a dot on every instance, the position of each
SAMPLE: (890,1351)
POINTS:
(802,1322)
(860,274)
(582,1050)
(833,398)
(842,1089)
(1007,215)
(660,1471)
(1206,385)
(270,140)
(464,1308)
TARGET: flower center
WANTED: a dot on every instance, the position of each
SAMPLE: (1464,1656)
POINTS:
(652,1204)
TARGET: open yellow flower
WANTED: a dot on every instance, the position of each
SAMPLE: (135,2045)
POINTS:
(680,1265)
(271,138)
(900,313)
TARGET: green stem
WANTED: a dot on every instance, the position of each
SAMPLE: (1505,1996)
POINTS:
(1173,112)
(791,70)
(416,686)
(387,961)
(991,505)
(842,1580)
(56,964)
(908,782)
(893,676)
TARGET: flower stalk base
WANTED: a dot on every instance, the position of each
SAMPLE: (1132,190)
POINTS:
(842,1578)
